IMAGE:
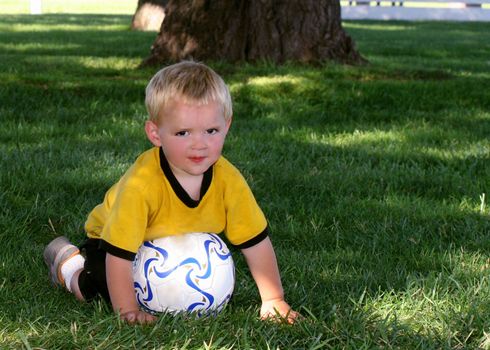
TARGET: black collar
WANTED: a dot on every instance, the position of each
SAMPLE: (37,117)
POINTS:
(177,187)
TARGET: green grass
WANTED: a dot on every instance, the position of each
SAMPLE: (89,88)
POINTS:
(371,177)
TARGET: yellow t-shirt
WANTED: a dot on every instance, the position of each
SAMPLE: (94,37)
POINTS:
(148,203)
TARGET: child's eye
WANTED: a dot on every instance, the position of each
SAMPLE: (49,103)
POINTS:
(182,133)
(212,131)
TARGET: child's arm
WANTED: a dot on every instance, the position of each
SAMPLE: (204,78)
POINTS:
(262,263)
(120,284)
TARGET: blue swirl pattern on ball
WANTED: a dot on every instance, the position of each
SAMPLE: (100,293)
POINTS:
(196,271)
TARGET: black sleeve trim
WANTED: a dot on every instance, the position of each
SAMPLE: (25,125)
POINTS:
(113,250)
(251,242)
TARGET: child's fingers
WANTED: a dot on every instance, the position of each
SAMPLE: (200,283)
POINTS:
(144,317)
(293,316)
(141,317)
(129,317)
(290,316)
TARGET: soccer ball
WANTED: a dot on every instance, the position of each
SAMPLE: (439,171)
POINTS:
(187,273)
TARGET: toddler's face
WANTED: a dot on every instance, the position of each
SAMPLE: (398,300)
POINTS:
(192,136)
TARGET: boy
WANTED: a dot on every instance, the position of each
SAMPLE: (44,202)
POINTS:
(181,185)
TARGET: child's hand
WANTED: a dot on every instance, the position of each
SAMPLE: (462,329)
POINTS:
(137,316)
(278,310)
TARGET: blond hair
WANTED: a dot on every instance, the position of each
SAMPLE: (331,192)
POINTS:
(189,82)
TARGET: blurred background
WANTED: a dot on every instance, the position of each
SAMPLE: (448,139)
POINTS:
(66,6)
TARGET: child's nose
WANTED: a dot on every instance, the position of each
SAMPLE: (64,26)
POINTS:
(198,142)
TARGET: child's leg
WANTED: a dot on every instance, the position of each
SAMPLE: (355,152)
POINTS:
(75,288)
(84,277)
(91,281)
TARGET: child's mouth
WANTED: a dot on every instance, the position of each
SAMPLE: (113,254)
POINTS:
(196,159)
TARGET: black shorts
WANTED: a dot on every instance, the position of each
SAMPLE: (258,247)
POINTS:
(92,280)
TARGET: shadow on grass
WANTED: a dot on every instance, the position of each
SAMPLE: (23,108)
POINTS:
(424,41)
(49,20)
(73,35)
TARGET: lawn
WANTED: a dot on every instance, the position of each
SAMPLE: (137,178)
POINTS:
(373,180)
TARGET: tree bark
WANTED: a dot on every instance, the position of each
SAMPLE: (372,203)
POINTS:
(308,31)
(149,15)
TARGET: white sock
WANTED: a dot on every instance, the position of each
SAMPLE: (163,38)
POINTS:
(69,268)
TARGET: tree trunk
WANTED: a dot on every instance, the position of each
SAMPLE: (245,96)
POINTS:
(149,15)
(307,31)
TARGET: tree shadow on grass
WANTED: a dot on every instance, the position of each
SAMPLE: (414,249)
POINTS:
(388,232)
(48,20)
(73,35)
(366,200)
(457,46)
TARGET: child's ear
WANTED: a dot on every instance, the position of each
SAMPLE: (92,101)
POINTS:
(151,130)
(228,124)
